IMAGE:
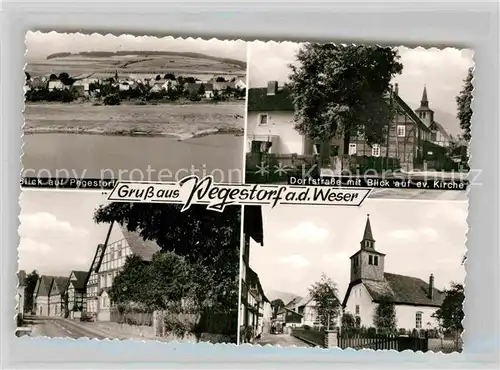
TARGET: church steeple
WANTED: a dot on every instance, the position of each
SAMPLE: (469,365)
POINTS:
(368,241)
(424,102)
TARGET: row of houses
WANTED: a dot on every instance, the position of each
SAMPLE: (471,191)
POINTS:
(87,292)
(154,85)
(271,129)
(415,300)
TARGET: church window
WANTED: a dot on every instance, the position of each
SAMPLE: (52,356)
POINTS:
(375,260)
(418,320)
(370,260)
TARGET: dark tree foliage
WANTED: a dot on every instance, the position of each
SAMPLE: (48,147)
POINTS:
(464,102)
(220,79)
(31,280)
(451,314)
(158,78)
(385,315)
(169,76)
(27,75)
(342,90)
(201,236)
(325,293)
(52,77)
(277,304)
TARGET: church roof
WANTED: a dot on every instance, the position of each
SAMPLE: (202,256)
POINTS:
(424,95)
(368,235)
(401,289)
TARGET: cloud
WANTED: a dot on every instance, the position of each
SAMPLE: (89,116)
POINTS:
(295,261)
(46,224)
(427,233)
(307,231)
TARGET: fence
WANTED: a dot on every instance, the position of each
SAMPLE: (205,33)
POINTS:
(312,335)
(132,318)
(383,342)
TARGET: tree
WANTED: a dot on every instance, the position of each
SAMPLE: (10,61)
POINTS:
(220,79)
(158,78)
(385,314)
(52,77)
(464,101)
(28,76)
(451,314)
(277,304)
(208,238)
(31,280)
(169,76)
(324,294)
(201,90)
(341,91)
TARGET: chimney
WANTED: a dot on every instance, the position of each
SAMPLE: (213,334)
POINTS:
(272,87)
(431,287)
(396,88)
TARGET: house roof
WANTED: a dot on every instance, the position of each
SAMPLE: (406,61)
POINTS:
(401,289)
(21,277)
(252,224)
(60,283)
(253,278)
(410,112)
(304,301)
(259,101)
(44,285)
(438,127)
(139,246)
(81,277)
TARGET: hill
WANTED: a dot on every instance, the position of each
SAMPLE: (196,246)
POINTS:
(284,296)
(145,53)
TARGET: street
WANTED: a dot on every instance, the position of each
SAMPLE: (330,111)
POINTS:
(418,194)
(283,340)
(54,327)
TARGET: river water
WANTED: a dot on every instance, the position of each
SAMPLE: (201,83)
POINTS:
(133,158)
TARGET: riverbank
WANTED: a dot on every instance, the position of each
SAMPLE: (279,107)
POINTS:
(181,121)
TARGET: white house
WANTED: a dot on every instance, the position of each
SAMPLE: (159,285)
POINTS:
(415,300)
(56,85)
(108,262)
(157,87)
(240,84)
(57,296)
(75,290)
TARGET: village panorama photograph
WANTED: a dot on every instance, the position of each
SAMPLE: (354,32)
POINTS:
(329,110)
(388,275)
(94,269)
(140,108)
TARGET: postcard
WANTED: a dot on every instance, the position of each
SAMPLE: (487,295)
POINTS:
(251,193)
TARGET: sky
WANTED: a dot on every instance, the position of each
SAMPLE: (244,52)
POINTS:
(442,71)
(57,231)
(418,238)
(39,45)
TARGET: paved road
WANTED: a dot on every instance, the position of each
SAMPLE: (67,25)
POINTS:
(418,194)
(58,328)
(283,340)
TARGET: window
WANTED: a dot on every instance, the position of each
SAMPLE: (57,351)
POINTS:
(401,130)
(375,260)
(263,119)
(357,309)
(352,149)
(370,260)
(376,150)
(418,320)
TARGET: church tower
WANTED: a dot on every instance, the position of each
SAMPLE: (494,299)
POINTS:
(424,112)
(367,263)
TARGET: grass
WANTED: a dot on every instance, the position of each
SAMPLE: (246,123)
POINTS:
(177,120)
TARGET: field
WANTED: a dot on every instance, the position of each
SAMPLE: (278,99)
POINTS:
(182,121)
(100,66)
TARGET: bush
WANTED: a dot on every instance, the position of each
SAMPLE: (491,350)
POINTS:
(401,331)
(113,99)
(371,331)
(306,327)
